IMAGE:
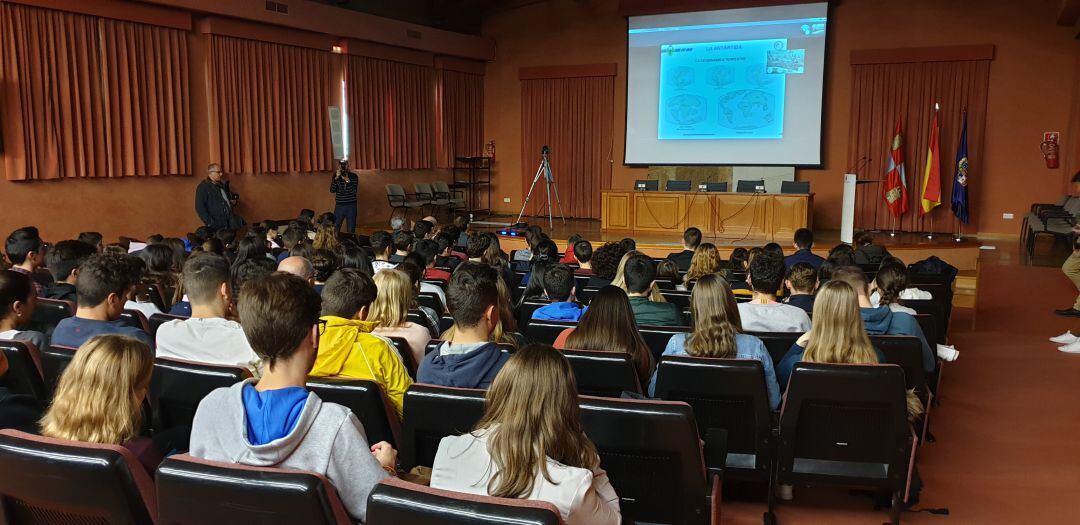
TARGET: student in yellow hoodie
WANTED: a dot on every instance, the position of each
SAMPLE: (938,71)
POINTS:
(347,349)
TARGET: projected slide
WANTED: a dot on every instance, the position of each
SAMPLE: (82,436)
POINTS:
(725,90)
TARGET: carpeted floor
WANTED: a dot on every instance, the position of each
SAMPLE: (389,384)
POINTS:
(1008,428)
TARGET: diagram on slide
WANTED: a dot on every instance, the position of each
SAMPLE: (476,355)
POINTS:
(725,90)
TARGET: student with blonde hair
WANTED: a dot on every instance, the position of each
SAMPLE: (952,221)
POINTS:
(718,332)
(390,312)
(706,261)
(530,444)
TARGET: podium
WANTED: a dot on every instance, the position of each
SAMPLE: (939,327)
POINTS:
(847,209)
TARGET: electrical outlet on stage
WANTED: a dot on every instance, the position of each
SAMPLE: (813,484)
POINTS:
(1007,216)
(506,199)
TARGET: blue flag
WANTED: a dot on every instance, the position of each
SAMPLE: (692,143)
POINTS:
(960,180)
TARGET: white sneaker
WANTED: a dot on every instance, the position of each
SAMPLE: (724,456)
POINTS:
(1065,338)
(1071,348)
(947,352)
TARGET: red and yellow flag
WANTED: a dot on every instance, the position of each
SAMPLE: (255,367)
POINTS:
(895,190)
(931,183)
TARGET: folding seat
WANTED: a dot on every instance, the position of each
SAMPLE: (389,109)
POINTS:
(420,318)
(48,313)
(194,491)
(585,295)
(906,352)
(652,454)
(395,502)
(441,190)
(157,320)
(135,319)
(667,285)
(154,293)
(177,387)
(657,337)
(366,400)
(677,298)
(54,360)
(777,343)
(425,194)
(431,300)
(931,316)
(24,370)
(401,346)
(546,332)
(48,480)
(432,413)
(525,312)
(845,425)
(604,374)
(727,395)
(445,323)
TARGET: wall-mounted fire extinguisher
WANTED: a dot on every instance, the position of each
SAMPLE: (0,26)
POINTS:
(489,149)
(1050,150)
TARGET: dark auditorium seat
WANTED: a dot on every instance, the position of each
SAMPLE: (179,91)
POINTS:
(49,480)
(777,343)
(652,454)
(177,387)
(906,352)
(420,318)
(395,502)
(431,300)
(153,293)
(432,413)
(48,313)
(401,346)
(157,320)
(845,425)
(525,312)
(194,491)
(677,298)
(727,395)
(367,402)
(604,374)
(54,360)
(657,337)
(135,319)
(546,332)
(24,372)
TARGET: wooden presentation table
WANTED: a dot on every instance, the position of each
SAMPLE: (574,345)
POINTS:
(764,216)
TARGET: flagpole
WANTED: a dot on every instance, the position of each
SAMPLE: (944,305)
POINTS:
(931,234)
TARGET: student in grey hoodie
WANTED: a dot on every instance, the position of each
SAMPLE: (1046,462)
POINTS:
(276,422)
(469,359)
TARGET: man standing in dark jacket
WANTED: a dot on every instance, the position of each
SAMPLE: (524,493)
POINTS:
(344,186)
(214,201)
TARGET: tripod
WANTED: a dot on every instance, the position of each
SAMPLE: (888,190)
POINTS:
(544,169)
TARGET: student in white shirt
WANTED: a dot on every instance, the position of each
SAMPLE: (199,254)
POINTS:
(891,287)
(501,456)
(763,313)
(208,336)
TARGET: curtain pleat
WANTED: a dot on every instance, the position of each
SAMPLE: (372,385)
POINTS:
(391,108)
(573,117)
(82,96)
(881,93)
(459,115)
(268,103)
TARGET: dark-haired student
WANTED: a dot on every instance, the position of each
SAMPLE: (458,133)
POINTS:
(866,252)
(640,273)
(568,256)
(447,257)
(403,242)
(801,280)
(106,282)
(93,239)
(605,263)
(804,242)
(276,422)
(63,261)
(469,359)
(18,298)
(583,253)
(429,250)
(559,287)
(691,240)
(23,248)
(763,313)
(382,244)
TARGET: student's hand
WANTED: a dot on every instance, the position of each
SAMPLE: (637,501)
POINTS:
(384,454)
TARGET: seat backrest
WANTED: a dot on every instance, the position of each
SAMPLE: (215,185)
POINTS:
(49,312)
(422,187)
(420,318)
(525,311)
(748,186)
(401,346)
(395,190)
(844,413)
(795,186)
(395,502)
(154,293)
(585,295)
(432,413)
(604,374)
(935,327)
(652,454)
(54,360)
(195,491)
(177,387)
(657,337)
(24,372)
(546,332)
(135,319)
(726,394)
(431,300)
(157,320)
(367,402)
(49,480)
(677,298)
(777,343)
(906,352)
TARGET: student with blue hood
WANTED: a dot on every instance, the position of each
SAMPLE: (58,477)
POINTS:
(469,359)
(559,286)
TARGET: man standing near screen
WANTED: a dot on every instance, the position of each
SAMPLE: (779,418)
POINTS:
(214,201)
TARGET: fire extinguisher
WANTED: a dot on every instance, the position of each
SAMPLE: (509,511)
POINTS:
(1050,153)
(490,149)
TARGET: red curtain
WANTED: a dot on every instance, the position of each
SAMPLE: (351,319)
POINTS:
(881,93)
(268,106)
(82,96)
(391,114)
(574,117)
(459,115)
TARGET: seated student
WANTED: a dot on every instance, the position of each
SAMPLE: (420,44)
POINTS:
(640,281)
(106,281)
(99,397)
(568,255)
(294,234)
(210,335)
(517,451)
(763,313)
(390,312)
(18,298)
(628,244)
(323,264)
(159,266)
(801,280)
(24,250)
(889,283)
(842,255)
(423,230)
(882,320)
(428,250)
(667,276)
(804,242)
(533,235)
(63,261)
(92,238)
(347,348)
(559,287)
(447,257)
(717,333)
(298,266)
(706,260)
(608,326)
(403,242)
(468,359)
(276,422)
(773,248)
(355,258)
(900,276)
(382,244)
(691,240)
(17,411)
(605,264)
(545,252)
(413,266)
(583,254)
(866,252)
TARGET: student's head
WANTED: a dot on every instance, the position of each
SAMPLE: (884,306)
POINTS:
(531,412)
(100,394)
(23,247)
(323,265)
(381,243)
(349,294)
(804,239)
(774,249)
(863,238)
(605,261)
(583,252)
(250,247)
(446,240)
(706,260)
(413,266)
(842,254)
(473,296)
(533,235)
(691,238)
(297,266)
(353,257)
(422,229)
(716,319)
(628,244)
(18,297)
(179,252)
(64,259)
(395,298)
(640,273)
(107,280)
(801,278)
(227,237)
(838,335)
(306,216)
(854,277)
(751,254)
(546,250)
(493,253)
(461,222)
(115,248)
(667,270)
(574,239)
(249,270)
(326,238)
(559,282)
(766,273)
(207,280)
(214,172)
(403,240)
(211,245)
(280,316)
(477,244)
(608,325)
(739,257)
(427,250)
(92,238)
(891,279)
(158,258)
(326,218)
(825,272)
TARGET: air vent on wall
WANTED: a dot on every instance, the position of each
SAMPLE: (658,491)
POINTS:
(412,33)
(277,7)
